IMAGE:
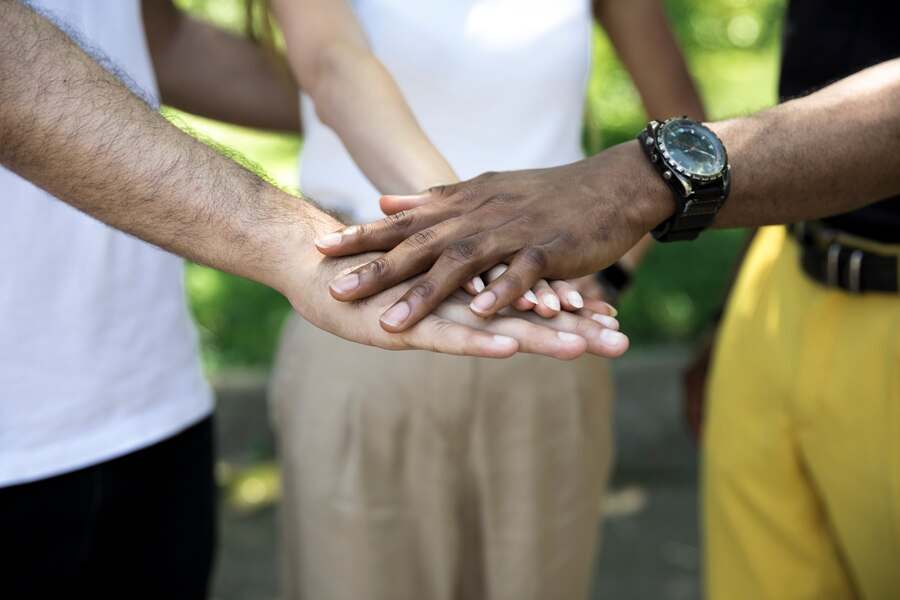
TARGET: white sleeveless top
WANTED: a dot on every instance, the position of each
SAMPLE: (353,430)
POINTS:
(496,85)
(98,355)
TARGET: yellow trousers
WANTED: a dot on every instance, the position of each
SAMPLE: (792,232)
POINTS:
(801,473)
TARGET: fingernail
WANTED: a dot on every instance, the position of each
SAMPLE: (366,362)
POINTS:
(551,301)
(407,196)
(612,339)
(345,284)
(606,321)
(502,342)
(529,295)
(329,241)
(496,272)
(396,314)
(483,302)
(478,284)
(567,337)
(612,310)
(575,299)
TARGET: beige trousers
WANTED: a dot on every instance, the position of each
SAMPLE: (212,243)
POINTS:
(418,476)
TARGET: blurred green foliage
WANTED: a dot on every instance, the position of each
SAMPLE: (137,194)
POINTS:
(732,47)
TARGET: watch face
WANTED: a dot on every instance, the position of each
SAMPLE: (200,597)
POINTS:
(692,148)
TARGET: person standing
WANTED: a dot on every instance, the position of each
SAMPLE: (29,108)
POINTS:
(800,468)
(418,476)
(106,474)
(106,433)
(801,449)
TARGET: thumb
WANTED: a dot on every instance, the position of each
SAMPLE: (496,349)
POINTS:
(391,205)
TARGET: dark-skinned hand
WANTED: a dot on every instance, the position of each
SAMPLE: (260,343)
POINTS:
(556,223)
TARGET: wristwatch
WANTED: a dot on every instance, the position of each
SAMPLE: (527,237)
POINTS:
(693,162)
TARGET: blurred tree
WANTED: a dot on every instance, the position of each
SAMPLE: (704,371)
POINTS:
(732,47)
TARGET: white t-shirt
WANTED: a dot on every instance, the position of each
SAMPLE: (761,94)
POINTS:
(98,354)
(496,85)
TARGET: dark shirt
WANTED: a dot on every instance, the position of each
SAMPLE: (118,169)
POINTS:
(827,40)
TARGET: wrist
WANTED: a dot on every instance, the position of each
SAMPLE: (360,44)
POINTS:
(293,263)
(645,199)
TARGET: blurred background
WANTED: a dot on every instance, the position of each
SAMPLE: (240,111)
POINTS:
(650,547)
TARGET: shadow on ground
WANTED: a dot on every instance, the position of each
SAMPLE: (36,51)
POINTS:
(650,548)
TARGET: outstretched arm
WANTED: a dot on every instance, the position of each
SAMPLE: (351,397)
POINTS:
(75,130)
(72,128)
(830,152)
(355,95)
(212,73)
(639,31)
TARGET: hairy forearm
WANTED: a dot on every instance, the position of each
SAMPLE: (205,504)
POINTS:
(209,72)
(641,35)
(74,129)
(828,153)
(356,96)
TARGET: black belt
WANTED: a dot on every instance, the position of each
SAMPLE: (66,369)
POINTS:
(830,258)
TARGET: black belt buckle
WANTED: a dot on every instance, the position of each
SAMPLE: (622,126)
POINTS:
(832,259)
(854,268)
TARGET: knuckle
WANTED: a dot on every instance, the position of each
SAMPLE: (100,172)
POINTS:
(423,290)
(442,191)
(503,199)
(400,220)
(443,328)
(462,251)
(378,267)
(512,281)
(468,194)
(535,258)
(423,238)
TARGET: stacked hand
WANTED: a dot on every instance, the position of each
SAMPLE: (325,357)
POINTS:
(452,327)
(557,223)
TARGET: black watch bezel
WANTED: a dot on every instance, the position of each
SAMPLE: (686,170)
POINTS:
(698,198)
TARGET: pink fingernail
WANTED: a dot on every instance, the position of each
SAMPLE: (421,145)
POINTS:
(529,295)
(575,299)
(329,241)
(606,321)
(396,314)
(483,302)
(496,272)
(408,196)
(613,339)
(550,301)
(478,284)
(345,284)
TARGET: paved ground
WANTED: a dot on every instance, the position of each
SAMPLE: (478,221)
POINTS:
(650,546)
